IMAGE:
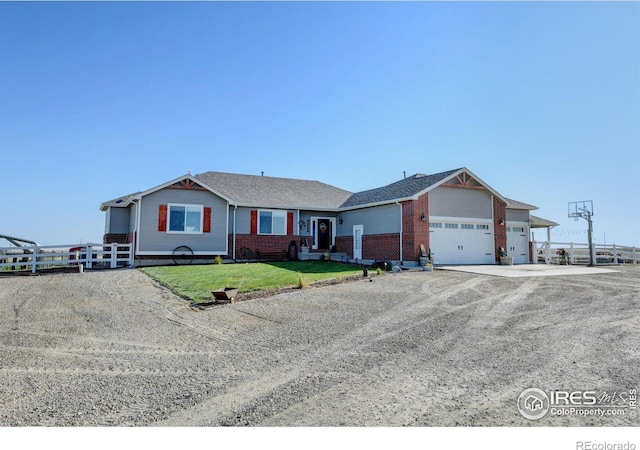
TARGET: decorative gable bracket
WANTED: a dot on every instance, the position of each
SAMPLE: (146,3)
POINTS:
(464,180)
(187,184)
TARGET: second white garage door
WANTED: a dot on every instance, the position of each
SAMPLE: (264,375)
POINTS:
(460,241)
(518,242)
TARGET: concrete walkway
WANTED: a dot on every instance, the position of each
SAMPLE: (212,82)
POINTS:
(528,270)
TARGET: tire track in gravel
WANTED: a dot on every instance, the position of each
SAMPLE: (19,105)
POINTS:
(264,398)
(255,398)
(27,296)
(160,351)
(203,323)
(380,329)
(389,322)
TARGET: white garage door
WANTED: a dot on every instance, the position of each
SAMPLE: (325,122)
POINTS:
(518,242)
(460,241)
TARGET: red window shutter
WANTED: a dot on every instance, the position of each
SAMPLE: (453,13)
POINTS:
(289,223)
(206,220)
(162,218)
(254,222)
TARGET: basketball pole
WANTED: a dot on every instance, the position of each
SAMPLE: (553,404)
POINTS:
(592,259)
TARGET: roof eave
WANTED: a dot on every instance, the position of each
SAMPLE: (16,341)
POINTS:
(379,203)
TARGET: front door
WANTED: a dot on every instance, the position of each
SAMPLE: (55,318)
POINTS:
(324,234)
(357,241)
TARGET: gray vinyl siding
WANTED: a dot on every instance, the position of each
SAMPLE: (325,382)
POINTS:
(132,217)
(376,220)
(460,202)
(306,217)
(119,218)
(152,240)
(517,215)
(243,220)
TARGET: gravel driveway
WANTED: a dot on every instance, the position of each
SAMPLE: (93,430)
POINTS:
(426,349)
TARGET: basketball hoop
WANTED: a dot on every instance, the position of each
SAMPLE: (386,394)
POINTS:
(580,209)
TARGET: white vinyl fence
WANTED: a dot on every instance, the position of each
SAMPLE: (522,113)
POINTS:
(89,256)
(577,253)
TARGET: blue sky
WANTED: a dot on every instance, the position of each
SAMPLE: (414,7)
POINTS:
(97,100)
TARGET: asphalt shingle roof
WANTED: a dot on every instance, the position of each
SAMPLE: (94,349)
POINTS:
(288,193)
(125,200)
(272,192)
(539,222)
(404,188)
(515,204)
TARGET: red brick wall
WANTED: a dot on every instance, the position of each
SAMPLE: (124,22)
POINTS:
(374,246)
(256,241)
(118,238)
(499,231)
(381,246)
(344,244)
(414,230)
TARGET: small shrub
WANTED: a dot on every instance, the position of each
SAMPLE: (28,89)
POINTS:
(379,271)
(218,259)
(302,283)
(339,280)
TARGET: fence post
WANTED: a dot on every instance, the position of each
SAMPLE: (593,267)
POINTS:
(89,256)
(114,255)
(34,259)
(131,244)
(615,256)
(572,259)
(547,252)
(635,256)
(534,252)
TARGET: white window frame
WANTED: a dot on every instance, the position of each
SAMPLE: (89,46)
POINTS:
(451,226)
(435,224)
(185,206)
(467,226)
(482,226)
(274,212)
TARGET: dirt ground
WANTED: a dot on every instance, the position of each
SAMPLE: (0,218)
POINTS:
(418,349)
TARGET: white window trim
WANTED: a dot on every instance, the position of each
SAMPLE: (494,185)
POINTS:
(184,205)
(273,212)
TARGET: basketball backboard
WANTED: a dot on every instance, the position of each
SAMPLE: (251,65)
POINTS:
(582,208)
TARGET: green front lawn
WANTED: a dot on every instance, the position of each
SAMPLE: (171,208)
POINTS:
(196,282)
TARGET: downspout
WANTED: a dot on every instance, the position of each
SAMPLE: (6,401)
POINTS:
(400,205)
(235,208)
(136,229)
